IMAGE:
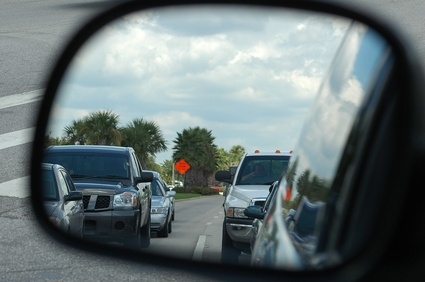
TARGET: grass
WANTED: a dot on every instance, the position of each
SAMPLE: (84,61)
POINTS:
(180,196)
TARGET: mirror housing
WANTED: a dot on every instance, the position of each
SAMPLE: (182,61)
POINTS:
(410,83)
(171,193)
(146,177)
(73,196)
(223,176)
(254,212)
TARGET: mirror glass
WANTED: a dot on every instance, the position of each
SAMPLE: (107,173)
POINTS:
(243,77)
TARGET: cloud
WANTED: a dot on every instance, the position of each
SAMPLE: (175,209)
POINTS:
(250,75)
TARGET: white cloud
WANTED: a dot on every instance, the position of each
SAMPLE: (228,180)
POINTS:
(250,78)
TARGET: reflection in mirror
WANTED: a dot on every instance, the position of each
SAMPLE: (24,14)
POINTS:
(204,84)
(312,195)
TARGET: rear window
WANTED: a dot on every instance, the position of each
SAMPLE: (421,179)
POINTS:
(262,170)
(81,164)
(156,189)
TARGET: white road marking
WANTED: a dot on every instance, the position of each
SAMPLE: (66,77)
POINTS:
(199,249)
(18,187)
(16,138)
(20,99)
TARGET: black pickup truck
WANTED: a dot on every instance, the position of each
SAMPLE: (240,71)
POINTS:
(116,192)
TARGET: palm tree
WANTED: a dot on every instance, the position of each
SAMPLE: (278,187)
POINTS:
(236,153)
(196,146)
(51,141)
(223,159)
(150,164)
(167,168)
(146,139)
(101,128)
(74,133)
(226,159)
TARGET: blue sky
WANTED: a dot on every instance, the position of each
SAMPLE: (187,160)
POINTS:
(247,75)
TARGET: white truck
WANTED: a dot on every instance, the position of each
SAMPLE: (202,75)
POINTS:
(248,185)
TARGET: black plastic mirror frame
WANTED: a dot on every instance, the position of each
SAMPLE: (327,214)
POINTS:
(221,272)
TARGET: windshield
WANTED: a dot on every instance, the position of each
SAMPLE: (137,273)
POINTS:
(262,170)
(83,165)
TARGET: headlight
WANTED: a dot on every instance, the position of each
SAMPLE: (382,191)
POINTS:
(236,212)
(125,199)
(163,210)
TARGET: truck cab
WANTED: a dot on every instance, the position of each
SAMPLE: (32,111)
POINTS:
(248,184)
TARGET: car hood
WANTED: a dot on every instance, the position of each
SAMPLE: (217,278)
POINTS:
(157,201)
(50,207)
(248,192)
(101,187)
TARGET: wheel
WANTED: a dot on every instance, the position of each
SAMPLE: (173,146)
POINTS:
(145,234)
(172,215)
(170,227)
(164,231)
(229,254)
(133,242)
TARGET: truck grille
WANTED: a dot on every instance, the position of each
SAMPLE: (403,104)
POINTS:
(258,202)
(86,200)
(102,202)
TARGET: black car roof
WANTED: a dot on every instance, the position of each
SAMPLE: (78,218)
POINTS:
(46,165)
(50,166)
(88,148)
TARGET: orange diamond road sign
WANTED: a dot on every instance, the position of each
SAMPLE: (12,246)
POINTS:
(182,166)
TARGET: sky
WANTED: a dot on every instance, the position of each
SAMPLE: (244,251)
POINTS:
(247,75)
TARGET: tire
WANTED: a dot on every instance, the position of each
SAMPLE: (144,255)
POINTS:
(170,229)
(163,233)
(172,215)
(229,254)
(145,234)
(133,242)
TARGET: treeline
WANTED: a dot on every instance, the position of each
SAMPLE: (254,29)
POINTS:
(194,144)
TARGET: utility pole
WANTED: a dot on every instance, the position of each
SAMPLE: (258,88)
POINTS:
(172,175)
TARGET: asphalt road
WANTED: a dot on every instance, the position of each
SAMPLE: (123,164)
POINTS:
(28,254)
(31,35)
(32,32)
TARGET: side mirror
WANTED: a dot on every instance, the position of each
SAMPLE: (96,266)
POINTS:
(254,212)
(257,60)
(171,193)
(223,176)
(73,196)
(146,177)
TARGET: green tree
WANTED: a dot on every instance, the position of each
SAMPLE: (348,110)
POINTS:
(150,164)
(74,133)
(101,128)
(223,159)
(167,167)
(235,154)
(51,141)
(196,146)
(146,139)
